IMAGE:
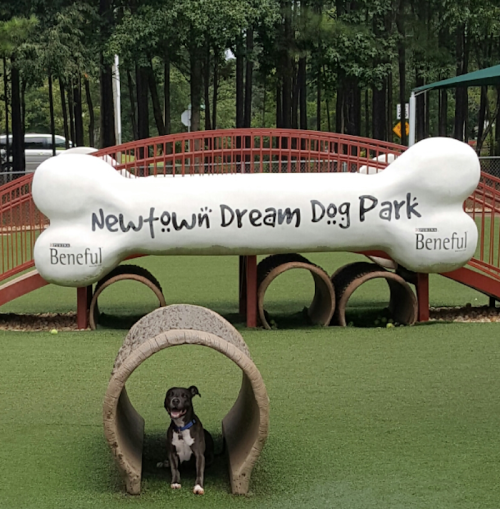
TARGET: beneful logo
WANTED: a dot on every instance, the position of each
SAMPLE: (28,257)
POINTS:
(84,258)
(424,242)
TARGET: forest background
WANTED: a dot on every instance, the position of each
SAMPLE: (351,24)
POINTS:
(340,66)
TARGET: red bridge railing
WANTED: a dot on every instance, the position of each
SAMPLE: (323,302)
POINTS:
(238,151)
(20,225)
(249,151)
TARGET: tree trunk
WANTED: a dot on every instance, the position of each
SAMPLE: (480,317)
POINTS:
(206,86)
(166,94)
(443,113)
(107,136)
(497,123)
(51,114)
(64,112)
(247,115)
(302,86)
(402,68)
(461,92)
(6,101)
(264,97)
(352,107)
(339,106)
(23,106)
(71,114)
(286,102)
(379,107)
(328,121)
(295,97)
(77,104)
(367,113)
(196,81)
(215,91)
(286,65)
(240,106)
(420,108)
(141,83)
(17,127)
(318,102)
(279,106)
(153,89)
(390,109)
(427,129)
(482,118)
(90,107)
(133,106)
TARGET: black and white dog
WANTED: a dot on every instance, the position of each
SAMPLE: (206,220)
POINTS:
(186,437)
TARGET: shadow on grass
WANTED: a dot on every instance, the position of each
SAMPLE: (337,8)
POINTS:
(123,322)
(297,320)
(154,452)
(366,317)
(375,315)
(97,472)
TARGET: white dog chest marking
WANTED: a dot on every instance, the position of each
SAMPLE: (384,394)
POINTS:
(183,445)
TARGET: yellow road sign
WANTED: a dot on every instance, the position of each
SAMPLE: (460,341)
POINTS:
(397,129)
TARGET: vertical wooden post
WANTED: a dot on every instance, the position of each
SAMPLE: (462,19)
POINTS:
(83,298)
(423,297)
(242,286)
(251,293)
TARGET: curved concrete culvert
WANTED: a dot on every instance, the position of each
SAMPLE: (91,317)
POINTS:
(123,273)
(403,305)
(244,428)
(322,306)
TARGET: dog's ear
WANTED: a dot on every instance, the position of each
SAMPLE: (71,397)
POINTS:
(194,391)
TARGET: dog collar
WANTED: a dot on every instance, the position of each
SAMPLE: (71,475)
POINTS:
(190,424)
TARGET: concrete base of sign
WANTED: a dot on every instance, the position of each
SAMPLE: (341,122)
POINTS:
(321,310)
(244,428)
(403,305)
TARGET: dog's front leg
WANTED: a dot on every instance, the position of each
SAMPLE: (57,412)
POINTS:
(174,468)
(200,473)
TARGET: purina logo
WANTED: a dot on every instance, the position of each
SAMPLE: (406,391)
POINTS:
(87,257)
(60,245)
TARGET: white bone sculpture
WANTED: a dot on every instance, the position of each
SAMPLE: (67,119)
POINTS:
(413,211)
(372,170)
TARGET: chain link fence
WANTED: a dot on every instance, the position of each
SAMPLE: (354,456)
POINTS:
(9,176)
(491,165)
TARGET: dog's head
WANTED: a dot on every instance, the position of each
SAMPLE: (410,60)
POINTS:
(178,401)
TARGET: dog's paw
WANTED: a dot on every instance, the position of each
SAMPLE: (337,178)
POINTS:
(163,464)
(175,486)
(198,490)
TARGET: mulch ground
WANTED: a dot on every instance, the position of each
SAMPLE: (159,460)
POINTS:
(67,321)
(465,314)
(41,322)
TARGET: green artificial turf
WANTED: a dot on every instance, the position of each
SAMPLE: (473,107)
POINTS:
(360,417)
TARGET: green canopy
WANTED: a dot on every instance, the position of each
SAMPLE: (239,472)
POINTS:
(489,76)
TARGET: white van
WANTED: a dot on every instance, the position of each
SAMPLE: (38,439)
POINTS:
(37,148)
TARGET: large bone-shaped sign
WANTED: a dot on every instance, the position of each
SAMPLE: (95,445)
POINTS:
(413,211)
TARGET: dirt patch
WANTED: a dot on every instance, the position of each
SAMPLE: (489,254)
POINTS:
(41,322)
(67,321)
(465,314)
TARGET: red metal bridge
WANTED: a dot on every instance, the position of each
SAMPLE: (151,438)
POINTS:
(242,151)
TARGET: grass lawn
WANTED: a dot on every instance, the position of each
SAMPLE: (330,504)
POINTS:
(360,417)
